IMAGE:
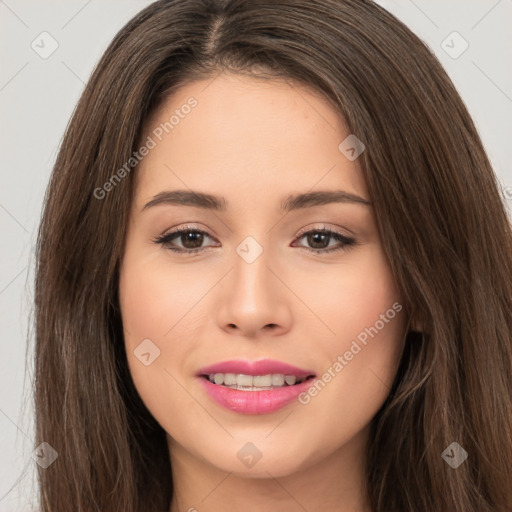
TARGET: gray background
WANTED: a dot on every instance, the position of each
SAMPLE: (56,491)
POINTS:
(37,97)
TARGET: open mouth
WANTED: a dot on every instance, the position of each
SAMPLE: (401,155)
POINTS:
(255,382)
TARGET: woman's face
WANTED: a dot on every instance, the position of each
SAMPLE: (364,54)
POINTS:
(260,293)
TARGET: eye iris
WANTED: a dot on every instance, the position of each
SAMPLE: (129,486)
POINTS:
(313,240)
(192,236)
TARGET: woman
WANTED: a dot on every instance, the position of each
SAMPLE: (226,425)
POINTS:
(274,272)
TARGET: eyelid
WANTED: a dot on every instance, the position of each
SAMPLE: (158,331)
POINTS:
(185,228)
(303,231)
(323,227)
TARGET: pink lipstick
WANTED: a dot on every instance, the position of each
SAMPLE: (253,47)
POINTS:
(254,387)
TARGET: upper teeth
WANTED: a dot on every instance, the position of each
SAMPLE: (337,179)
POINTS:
(253,381)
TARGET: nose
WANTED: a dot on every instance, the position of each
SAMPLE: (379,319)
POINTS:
(254,302)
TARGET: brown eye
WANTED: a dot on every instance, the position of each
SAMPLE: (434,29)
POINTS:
(319,239)
(191,240)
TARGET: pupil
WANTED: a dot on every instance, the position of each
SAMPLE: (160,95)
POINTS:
(194,237)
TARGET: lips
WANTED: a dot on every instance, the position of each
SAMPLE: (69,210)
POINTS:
(261,367)
(254,387)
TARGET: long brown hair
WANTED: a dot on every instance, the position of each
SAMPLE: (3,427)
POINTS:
(440,215)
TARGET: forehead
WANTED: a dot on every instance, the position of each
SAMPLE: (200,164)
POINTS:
(244,138)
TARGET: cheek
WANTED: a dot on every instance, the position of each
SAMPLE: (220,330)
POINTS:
(349,297)
(157,302)
(155,297)
(151,304)
(362,306)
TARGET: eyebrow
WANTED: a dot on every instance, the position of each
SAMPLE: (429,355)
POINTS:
(292,202)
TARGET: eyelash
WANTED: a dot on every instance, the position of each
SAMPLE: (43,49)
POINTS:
(164,240)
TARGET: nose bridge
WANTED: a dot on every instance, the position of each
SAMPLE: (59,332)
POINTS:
(251,276)
(252,300)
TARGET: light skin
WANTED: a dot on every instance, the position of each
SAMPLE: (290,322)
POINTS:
(255,143)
